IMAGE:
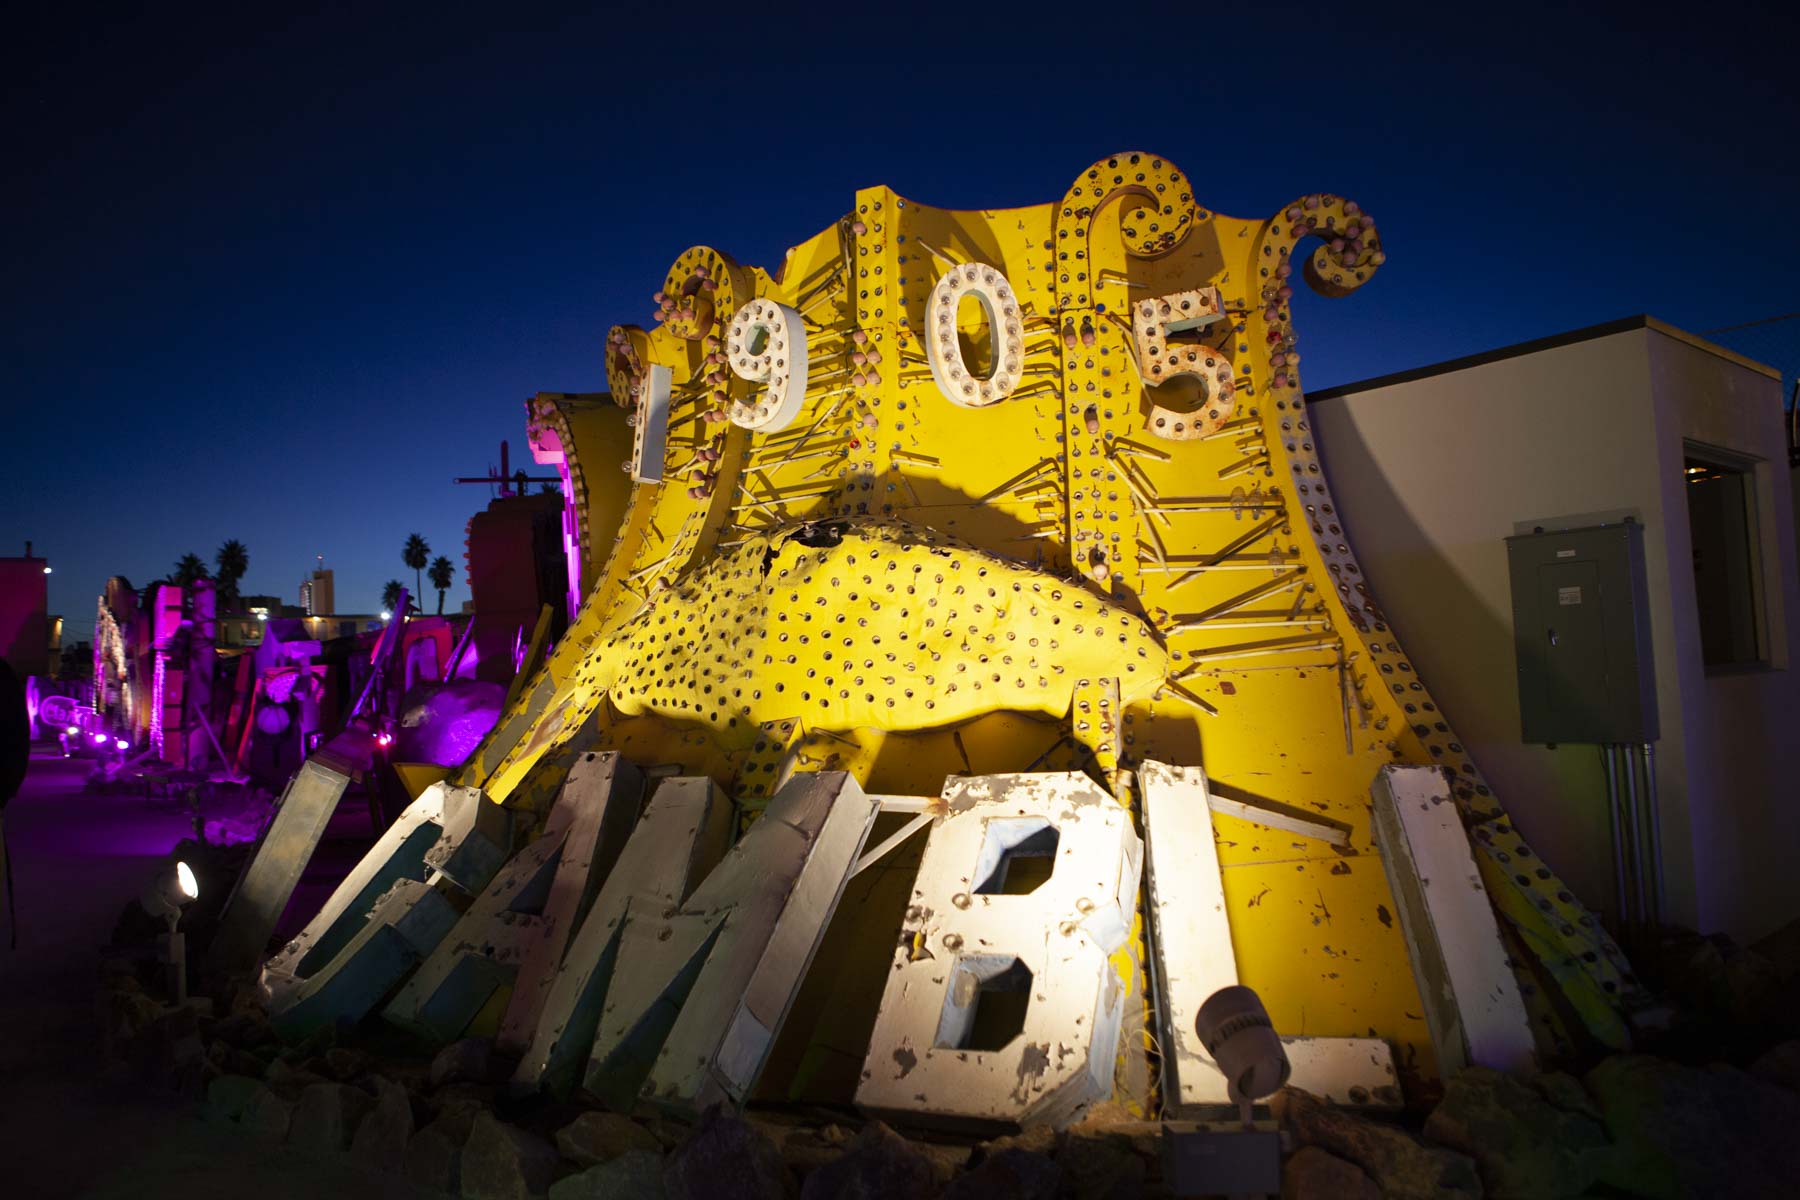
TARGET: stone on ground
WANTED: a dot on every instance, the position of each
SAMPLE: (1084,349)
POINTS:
(879,1165)
(325,1116)
(726,1159)
(229,1095)
(125,1011)
(1009,1174)
(469,1060)
(267,1114)
(1690,1131)
(434,1161)
(1565,1092)
(231,1060)
(1314,1174)
(1402,1167)
(947,1161)
(1525,1147)
(289,1080)
(598,1137)
(504,1162)
(1779,1064)
(247,1028)
(380,1139)
(806,1150)
(346,1065)
(1097,1165)
(633,1175)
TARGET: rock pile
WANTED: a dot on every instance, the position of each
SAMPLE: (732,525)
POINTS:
(1634,1125)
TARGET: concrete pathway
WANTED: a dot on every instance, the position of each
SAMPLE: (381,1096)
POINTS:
(69,1128)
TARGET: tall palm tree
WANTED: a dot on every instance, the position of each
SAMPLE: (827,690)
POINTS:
(417,554)
(233,560)
(189,568)
(390,595)
(442,572)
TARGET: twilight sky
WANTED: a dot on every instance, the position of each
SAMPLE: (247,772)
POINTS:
(280,276)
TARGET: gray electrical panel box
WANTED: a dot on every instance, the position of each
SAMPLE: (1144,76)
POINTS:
(1581,627)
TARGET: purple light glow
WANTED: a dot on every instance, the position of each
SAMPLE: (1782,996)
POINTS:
(571,547)
(156,705)
(280,688)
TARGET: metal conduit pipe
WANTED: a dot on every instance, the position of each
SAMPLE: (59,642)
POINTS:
(1634,810)
(1615,815)
(1655,823)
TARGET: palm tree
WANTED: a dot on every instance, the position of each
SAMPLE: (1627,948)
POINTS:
(190,568)
(233,560)
(442,572)
(417,554)
(390,595)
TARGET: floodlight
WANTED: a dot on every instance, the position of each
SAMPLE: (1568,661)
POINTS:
(46,570)
(122,744)
(99,739)
(386,615)
(1235,1029)
(173,889)
(74,731)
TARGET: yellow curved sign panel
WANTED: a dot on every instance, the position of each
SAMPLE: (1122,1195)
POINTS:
(949,493)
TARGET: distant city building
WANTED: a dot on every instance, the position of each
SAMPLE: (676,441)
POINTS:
(317,595)
(244,627)
(25,614)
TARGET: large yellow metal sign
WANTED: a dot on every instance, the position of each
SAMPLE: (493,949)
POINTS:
(1025,490)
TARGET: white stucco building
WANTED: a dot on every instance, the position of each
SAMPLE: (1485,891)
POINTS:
(1435,468)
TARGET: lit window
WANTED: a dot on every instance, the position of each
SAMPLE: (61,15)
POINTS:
(1722,525)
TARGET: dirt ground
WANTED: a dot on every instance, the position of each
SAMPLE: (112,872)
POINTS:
(68,1127)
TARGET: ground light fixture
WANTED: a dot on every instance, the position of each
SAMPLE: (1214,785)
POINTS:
(173,889)
(1232,1158)
(1235,1029)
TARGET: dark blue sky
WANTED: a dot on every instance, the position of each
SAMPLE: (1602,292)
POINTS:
(281,279)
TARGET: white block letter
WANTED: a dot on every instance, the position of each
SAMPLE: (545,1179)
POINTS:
(367,936)
(517,928)
(1001,1008)
(1194,959)
(682,998)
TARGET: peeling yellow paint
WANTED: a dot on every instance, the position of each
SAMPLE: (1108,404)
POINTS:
(1059,520)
